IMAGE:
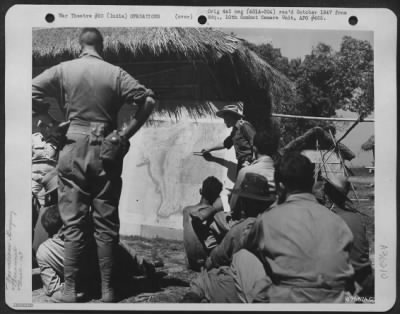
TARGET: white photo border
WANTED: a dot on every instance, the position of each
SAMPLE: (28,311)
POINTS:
(21,19)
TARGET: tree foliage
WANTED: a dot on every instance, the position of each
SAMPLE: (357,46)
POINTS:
(326,80)
(353,80)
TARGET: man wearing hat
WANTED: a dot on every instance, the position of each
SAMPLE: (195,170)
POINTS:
(254,197)
(241,137)
(265,146)
(50,254)
(336,188)
(224,282)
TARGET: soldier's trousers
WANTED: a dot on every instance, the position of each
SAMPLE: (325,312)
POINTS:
(241,282)
(89,193)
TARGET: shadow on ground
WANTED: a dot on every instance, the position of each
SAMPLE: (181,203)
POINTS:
(169,285)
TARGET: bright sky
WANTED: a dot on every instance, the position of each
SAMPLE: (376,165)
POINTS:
(297,43)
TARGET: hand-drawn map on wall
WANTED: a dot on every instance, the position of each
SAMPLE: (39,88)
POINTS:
(161,175)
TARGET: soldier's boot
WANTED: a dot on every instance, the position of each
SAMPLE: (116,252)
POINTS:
(68,294)
(58,297)
(106,265)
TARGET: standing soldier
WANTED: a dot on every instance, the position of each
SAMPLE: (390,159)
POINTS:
(241,137)
(90,92)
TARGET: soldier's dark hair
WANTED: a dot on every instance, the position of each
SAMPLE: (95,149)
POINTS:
(51,220)
(266,142)
(295,171)
(211,189)
(91,36)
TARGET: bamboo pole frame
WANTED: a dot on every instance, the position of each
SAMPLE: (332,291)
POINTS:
(280,115)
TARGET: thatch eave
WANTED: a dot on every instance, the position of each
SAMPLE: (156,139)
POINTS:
(242,74)
(369,144)
(138,44)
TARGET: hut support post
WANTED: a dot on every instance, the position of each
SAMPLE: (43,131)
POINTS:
(342,161)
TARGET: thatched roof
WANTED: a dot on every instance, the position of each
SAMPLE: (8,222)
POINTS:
(122,43)
(235,72)
(318,135)
(369,144)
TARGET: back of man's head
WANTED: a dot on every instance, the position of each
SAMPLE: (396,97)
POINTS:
(266,142)
(91,37)
(51,220)
(295,172)
(211,189)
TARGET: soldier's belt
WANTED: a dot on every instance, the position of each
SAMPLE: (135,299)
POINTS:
(98,129)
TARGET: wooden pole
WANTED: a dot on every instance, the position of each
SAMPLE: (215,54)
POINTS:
(360,119)
(279,115)
(341,158)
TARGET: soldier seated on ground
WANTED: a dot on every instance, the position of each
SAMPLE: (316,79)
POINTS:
(336,189)
(295,252)
(216,283)
(209,204)
(50,258)
(265,145)
(303,247)
(50,254)
(254,198)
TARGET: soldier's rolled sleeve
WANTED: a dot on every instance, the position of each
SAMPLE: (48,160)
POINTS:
(46,84)
(131,90)
(228,142)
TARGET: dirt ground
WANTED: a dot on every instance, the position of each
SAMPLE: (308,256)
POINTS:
(174,277)
(172,280)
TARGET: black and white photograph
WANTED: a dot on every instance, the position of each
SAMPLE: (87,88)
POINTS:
(203,164)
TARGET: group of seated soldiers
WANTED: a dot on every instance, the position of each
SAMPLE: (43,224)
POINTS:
(281,241)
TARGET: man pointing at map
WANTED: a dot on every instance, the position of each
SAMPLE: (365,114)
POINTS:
(241,137)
